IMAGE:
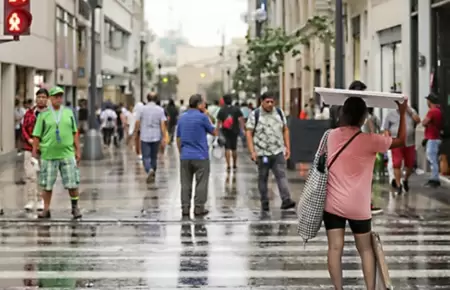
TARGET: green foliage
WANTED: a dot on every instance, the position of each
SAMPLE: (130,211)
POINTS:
(168,85)
(266,54)
(213,91)
(149,70)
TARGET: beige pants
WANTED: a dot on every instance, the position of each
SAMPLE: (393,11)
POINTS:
(31,179)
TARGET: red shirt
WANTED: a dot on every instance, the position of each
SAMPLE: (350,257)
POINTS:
(29,120)
(434,127)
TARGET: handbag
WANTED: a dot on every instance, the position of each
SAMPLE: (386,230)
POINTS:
(382,278)
(312,201)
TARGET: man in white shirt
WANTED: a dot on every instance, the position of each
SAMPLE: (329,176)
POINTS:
(108,120)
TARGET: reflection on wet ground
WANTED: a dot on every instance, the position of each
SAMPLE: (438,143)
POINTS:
(132,237)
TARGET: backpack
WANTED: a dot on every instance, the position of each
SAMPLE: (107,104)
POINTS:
(257,113)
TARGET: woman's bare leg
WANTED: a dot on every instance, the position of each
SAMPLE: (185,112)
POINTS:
(335,249)
(365,250)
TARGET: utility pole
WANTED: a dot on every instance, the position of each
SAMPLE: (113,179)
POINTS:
(339,76)
(92,149)
(283,70)
(142,43)
(258,32)
(222,60)
(339,82)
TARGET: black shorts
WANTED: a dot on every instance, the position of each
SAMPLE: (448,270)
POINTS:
(333,222)
(231,140)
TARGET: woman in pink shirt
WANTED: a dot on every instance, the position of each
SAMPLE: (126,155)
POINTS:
(350,186)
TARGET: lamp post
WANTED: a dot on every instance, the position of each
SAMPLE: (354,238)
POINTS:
(142,42)
(260,18)
(92,149)
(159,80)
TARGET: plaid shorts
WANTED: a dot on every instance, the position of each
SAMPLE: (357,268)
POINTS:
(68,169)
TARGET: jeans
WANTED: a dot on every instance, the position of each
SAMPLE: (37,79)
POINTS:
(276,164)
(149,152)
(108,134)
(433,158)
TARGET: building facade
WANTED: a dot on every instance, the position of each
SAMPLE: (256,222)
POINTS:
(25,65)
(391,45)
(199,67)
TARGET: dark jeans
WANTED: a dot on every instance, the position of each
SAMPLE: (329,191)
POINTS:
(149,152)
(107,135)
(171,130)
(276,164)
(189,169)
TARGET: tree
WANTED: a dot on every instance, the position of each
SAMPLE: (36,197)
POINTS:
(213,91)
(168,85)
(266,54)
(149,69)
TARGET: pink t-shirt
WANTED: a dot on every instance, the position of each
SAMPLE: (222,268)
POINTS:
(350,178)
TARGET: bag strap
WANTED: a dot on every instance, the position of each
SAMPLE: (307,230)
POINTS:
(343,148)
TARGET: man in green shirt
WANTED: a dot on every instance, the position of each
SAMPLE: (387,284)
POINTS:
(55,136)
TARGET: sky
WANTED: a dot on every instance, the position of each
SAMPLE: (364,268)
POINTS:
(201,21)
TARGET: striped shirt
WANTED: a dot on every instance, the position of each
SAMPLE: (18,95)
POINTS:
(151,116)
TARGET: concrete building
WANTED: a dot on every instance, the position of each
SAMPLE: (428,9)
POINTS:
(25,65)
(198,67)
(391,45)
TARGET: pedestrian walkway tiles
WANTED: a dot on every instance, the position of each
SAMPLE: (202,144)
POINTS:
(211,255)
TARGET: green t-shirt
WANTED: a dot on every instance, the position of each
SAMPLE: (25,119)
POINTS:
(45,129)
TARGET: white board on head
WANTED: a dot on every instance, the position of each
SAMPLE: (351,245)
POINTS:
(372,99)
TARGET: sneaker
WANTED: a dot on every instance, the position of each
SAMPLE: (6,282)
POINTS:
(375,210)
(433,184)
(29,206)
(151,176)
(76,213)
(265,206)
(405,184)
(288,204)
(40,205)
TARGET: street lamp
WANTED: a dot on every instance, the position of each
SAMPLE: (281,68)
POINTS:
(142,42)
(260,16)
(159,80)
(92,149)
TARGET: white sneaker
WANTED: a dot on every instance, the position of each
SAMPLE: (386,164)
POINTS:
(40,205)
(29,206)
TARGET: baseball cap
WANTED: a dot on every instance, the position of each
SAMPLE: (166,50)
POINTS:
(432,98)
(56,91)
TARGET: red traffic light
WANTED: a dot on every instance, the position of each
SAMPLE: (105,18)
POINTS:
(18,2)
(18,21)
(17,17)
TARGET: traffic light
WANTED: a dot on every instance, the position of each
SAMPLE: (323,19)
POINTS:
(16,17)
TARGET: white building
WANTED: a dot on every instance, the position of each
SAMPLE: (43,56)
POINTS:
(401,45)
(25,64)
(58,52)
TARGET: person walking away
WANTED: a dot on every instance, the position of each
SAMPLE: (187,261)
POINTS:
(19,113)
(193,127)
(405,155)
(121,121)
(230,120)
(214,110)
(183,108)
(269,145)
(34,199)
(108,120)
(351,156)
(433,124)
(173,114)
(151,121)
(55,135)
(83,117)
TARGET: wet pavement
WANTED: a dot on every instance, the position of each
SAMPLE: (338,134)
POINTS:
(132,235)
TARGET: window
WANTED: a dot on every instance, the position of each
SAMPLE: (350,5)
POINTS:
(66,39)
(391,67)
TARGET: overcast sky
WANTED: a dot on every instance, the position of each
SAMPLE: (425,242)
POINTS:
(201,21)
